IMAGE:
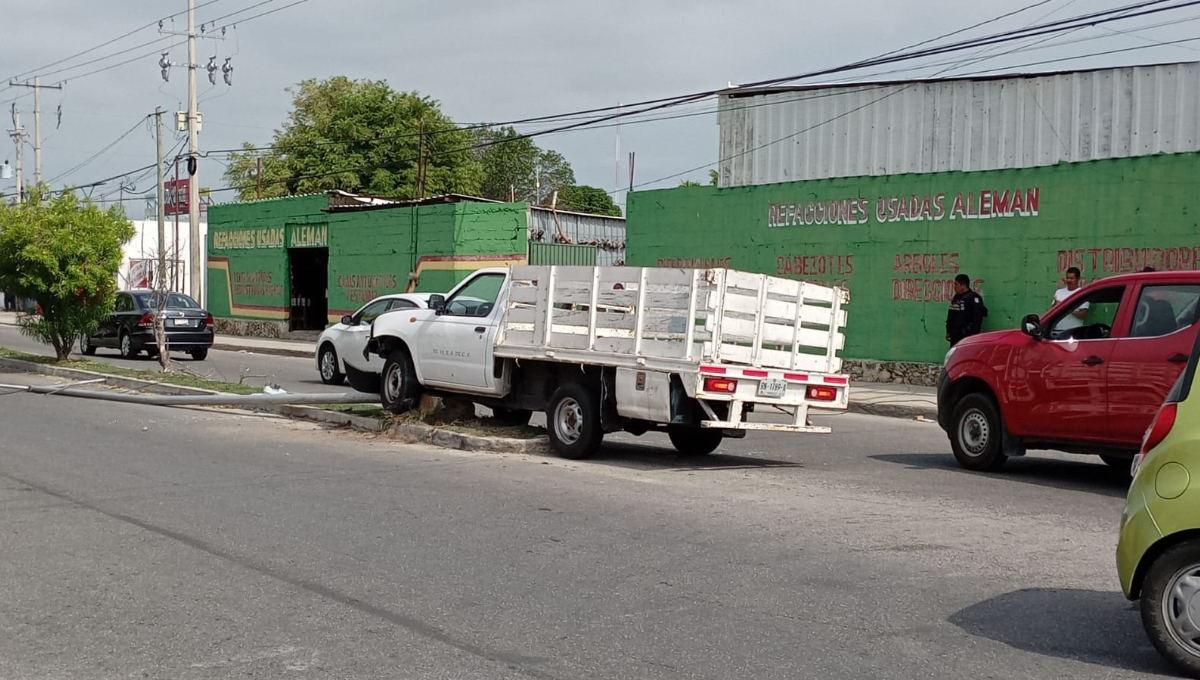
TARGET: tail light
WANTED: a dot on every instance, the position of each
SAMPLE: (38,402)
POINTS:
(208,320)
(146,321)
(817,393)
(1157,432)
(720,385)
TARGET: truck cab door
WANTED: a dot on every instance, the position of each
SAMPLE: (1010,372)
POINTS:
(456,344)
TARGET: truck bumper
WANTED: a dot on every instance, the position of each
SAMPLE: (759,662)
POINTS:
(944,407)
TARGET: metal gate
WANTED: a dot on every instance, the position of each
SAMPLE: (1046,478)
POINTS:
(562,254)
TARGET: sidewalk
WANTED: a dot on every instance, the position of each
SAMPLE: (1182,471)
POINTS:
(880,399)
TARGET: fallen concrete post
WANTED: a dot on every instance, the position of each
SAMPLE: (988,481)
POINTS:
(200,399)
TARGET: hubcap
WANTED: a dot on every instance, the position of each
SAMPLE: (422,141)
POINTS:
(392,384)
(83,343)
(328,365)
(974,432)
(1181,608)
(126,344)
(568,421)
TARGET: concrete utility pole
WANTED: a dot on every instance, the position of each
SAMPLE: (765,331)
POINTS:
(37,123)
(196,253)
(18,135)
(160,278)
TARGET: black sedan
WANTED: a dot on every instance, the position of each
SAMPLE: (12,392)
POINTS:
(130,328)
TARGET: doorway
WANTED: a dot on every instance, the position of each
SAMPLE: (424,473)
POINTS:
(308,270)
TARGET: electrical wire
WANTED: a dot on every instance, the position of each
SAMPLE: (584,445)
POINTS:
(101,151)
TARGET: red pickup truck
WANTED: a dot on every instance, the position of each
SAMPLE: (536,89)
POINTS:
(1085,383)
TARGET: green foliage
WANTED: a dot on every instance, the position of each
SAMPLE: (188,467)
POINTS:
(586,199)
(514,167)
(689,183)
(359,136)
(714,177)
(65,255)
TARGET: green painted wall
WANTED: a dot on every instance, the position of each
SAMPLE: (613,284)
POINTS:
(897,242)
(371,252)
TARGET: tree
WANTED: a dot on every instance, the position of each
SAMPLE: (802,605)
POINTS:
(714,177)
(359,136)
(689,183)
(515,168)
(589,200)
(64,254)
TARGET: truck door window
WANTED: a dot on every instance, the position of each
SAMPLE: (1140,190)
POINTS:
(1102,306)
(1162,310)
(369,313)
(477,298)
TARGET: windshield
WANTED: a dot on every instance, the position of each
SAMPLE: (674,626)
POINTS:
(174,301)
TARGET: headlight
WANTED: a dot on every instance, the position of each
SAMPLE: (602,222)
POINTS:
(950,351)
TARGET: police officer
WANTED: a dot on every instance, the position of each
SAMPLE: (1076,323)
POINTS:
(965,316)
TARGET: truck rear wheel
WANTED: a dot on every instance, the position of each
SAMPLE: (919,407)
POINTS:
(573,422)
(694,441)
(398,387)
(977,434)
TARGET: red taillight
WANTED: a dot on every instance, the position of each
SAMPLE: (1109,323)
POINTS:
(720,385)
(208,320)
(146,321)
(1158,431)
(822,393)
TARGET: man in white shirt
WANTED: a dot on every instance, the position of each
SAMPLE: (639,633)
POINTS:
(1076,318)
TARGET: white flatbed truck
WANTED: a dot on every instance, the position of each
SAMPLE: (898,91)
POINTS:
(635,349)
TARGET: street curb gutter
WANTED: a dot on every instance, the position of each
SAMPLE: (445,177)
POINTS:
(895,411)
(407,432)
(274,351)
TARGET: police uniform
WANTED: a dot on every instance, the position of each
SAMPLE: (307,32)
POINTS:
(965,316)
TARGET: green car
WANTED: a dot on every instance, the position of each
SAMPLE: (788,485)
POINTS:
(1158,555)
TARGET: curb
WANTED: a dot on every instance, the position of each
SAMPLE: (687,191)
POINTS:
(894,411)
(222,346)
(420,433)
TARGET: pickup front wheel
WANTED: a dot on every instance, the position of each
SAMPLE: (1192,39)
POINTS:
(573,422)
(977,434)
(398,387)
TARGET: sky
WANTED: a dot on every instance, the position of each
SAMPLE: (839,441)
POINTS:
(486,62)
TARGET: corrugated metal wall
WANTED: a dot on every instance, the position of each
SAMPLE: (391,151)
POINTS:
(607,234)
(948,125)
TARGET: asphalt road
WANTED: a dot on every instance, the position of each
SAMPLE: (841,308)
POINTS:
(290,373)
(149,542)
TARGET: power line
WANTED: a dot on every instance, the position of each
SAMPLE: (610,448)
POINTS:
(101,151)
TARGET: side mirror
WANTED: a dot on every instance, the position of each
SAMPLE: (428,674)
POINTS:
(1031,325)
(438,303)
(347,320)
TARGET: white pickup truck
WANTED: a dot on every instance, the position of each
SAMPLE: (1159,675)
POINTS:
(607,349)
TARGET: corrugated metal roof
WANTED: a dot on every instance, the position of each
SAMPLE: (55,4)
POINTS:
(964,124)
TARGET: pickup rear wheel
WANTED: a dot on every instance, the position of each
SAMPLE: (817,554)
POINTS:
(398,387)
(694,441)
(977,434)
(573,422)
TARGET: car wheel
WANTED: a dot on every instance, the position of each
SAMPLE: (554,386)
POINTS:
(573,422)
(977,434)
(398,387)
(86,348)
(199,354)
(126,346)
(1169,604)
(327,360)
(694,441)
(512,417)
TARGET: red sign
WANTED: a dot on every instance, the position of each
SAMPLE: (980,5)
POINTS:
(175,200)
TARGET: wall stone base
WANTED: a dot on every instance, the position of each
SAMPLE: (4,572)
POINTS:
(252,329)
(902,372)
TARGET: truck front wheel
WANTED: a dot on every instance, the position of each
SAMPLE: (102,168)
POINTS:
(694,441)
(398,387)
(573,422)
(977,433)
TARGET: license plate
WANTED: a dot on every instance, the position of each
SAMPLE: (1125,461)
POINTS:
(772,387)
(180,322)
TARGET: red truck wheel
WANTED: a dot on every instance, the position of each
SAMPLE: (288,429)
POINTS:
(977,433)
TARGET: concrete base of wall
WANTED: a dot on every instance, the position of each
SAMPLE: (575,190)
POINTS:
(902,372)
(252,329)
